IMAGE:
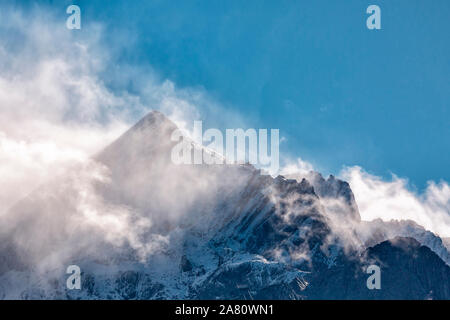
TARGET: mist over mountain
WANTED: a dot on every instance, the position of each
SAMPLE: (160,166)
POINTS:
(141,227)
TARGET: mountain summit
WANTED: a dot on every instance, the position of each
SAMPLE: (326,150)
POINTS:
(141,227)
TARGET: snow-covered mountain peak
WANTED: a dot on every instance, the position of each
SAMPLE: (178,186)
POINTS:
(152,229)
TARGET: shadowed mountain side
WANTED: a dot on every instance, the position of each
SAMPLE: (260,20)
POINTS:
(408,271)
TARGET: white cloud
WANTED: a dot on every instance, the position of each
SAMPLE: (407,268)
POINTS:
(390,200)
(56,111)
(299,166)
(55,107)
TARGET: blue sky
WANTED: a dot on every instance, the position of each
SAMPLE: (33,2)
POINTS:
(341,94)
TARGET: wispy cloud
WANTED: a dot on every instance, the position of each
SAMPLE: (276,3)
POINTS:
(57,109)
(393,200)
(54,110)
(299,166)
(378,198)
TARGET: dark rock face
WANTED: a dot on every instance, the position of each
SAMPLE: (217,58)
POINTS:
(408,271)
(411,271)
(240,235)
(185,264)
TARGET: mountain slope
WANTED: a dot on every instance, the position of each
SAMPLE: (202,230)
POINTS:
(141,227)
